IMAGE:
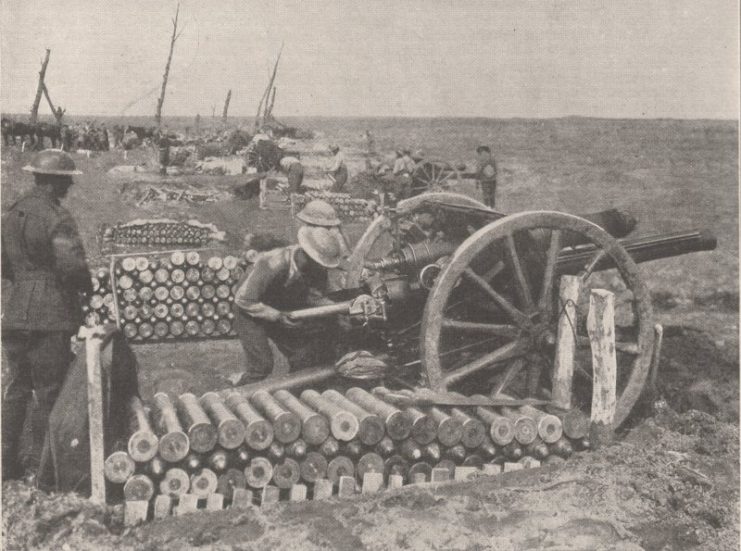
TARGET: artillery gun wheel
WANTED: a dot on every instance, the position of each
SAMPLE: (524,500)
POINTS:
(377,241)
(433,175)
(495,308)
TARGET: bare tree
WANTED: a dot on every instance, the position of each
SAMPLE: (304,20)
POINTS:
(266,95)
(226,107)
(39,88)
(173,39)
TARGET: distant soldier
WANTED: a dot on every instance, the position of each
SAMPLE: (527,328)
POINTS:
(486,174)
(293,168)
(44,260)
(338,169)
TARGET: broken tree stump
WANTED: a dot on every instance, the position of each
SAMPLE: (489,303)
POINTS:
(601,328)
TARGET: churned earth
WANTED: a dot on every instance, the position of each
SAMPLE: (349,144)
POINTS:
(671,480)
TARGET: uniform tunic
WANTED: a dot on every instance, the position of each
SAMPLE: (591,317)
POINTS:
(275,285)
(44,260)
(486,174)
(295,172)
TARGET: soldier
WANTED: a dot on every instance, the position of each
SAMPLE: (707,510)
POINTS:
(281,280)
(486,174)
(295,172)
(338,169)
(43,258)
(322,214)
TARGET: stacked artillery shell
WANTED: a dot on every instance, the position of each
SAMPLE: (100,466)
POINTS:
(202,445)
(158,233)
(175,296)
(346,207)
(98,305)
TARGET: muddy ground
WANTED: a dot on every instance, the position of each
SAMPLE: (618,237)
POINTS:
(671,480)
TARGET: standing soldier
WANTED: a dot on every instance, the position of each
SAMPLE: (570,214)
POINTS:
(338,169)
(43,258)
(486,174)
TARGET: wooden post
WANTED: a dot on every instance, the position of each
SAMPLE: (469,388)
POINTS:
(93,343)
(601,328)
(39,88)
(563,368)
(173,39)
(656,356)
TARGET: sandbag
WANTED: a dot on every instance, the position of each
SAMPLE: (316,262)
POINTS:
(65,459)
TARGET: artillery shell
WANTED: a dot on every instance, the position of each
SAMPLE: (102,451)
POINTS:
(396,464)
(562,448)
(177,328)
(512,451)
(313,467)
(230,429)
(474,431)
(287,473)
(174,443)
(202,434)
(193,462)
(258,472)
(232,478)
(146,330)
(242,455)
(215,263)
(449,429)
(371,428)
(575,424)
(398,425)
(276,452)
(314,426)
(501,428)
(138,487)
(582,444)
(420,467)
(156,468)
(353,449)
(296,449)
(455,453)
(286,424)
(258,432)
(474,460)
(143,442)
(175,483)
(487,449)
(369,463)
(343,424)
(203,483)
(340,466)
(549,426)
(161,329)
(118,467)
(128,264)
(424,427)
(141,263)
(410,450)
(218,461)
(330,447)
(525,428)
(432,452)
(385,447)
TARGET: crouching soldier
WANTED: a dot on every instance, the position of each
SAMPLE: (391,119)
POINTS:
(282,280)
(44,260)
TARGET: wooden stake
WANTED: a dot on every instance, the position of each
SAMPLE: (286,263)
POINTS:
(40,88)
(297,492)
(226,107)
(93,344)
(135,512)
(601,328)
(372,483)
(563,369)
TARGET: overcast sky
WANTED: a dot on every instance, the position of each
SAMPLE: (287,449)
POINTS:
(627,58)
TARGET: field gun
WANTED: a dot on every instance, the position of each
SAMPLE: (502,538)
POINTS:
(459,296)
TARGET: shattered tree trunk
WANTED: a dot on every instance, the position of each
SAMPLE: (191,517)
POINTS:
(269,114)
(161,100)
(226,107)
(40,88)
(266,95)
(57,116)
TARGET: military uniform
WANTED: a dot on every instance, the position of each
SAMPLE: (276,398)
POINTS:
(43,258)
(273,285)
(486,174)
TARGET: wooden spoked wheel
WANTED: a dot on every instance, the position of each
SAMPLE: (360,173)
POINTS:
(378,240)
(434,176)
(491,318)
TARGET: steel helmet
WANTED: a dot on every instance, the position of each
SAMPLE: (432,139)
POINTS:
(318,213)
(52,161)
(320,245)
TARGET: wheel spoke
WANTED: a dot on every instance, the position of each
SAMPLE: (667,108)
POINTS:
(545,303)
(506,352)
(523,287)
(472,327)
(517,316)
(509,375)
(589,267)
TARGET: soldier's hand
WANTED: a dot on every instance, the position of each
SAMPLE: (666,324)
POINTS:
(286,321)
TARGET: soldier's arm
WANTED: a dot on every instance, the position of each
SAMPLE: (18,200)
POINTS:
(69,255)
(248,295)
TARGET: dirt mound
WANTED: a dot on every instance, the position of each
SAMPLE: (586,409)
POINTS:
(672,483)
